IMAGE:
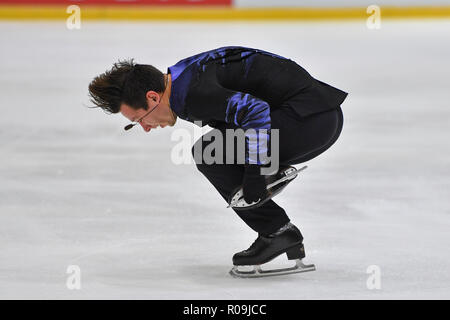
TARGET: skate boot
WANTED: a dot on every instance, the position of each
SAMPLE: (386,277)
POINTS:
(287,240)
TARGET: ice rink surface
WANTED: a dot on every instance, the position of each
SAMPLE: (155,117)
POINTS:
(78,190)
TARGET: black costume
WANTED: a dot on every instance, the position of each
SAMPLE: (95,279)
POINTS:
(236,87)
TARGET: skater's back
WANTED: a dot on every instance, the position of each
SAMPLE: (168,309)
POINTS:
(208,79)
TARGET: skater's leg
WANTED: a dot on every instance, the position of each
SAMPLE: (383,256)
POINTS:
(226,178)
(299,140)
(302,139)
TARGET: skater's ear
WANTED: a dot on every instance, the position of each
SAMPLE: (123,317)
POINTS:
(152,95)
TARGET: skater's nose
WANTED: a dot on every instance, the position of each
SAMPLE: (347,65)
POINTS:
(146,127)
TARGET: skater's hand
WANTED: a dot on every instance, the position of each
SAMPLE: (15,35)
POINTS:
(254,184)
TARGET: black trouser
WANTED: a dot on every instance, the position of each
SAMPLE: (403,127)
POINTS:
(300,140)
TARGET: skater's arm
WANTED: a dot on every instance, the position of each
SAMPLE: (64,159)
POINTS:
(209,100)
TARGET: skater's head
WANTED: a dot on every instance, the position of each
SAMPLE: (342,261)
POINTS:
(134,90)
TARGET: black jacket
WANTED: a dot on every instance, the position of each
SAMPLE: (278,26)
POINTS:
(240,86)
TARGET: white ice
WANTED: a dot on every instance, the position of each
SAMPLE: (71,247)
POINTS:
(77,190)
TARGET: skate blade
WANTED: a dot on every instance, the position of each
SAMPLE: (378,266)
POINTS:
(257,272)
(237,201)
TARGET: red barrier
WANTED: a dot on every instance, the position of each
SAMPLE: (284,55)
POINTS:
(122,2)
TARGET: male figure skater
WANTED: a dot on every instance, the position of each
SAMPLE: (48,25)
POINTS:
(235,88)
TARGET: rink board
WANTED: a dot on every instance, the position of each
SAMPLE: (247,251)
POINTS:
(212,12)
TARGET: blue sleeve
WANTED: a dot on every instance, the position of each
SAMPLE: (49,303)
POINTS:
(249,112)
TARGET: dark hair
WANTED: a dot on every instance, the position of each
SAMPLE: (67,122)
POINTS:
(126,82)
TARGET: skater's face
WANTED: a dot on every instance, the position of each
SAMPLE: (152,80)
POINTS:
(158,113)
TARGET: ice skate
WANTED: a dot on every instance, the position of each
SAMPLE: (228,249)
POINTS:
(287,240)
(275,184)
